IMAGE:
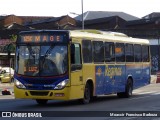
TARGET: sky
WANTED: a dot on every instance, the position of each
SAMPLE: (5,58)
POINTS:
(56,8)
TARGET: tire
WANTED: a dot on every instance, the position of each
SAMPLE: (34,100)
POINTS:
(41,102)
(87,95)
(128,90)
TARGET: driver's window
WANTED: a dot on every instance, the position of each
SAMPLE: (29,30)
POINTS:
(75,54)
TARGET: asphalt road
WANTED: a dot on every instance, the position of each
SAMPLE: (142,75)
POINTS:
(143,99)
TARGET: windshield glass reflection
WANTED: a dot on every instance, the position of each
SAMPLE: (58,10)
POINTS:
(42,60)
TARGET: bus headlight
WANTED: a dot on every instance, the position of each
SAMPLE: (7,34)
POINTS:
(62,84)
(19,84)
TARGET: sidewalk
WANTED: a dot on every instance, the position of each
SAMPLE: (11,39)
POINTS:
(153,79)
(8,86)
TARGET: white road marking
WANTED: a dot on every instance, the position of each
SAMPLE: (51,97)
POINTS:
(148,94)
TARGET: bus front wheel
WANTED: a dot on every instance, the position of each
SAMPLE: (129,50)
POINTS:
(87,95)
(41,102)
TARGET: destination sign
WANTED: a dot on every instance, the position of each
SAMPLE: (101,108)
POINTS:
(41,38)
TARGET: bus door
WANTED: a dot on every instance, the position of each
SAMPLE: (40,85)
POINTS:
(76,65)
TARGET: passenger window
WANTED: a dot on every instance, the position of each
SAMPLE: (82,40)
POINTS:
(109,52)
(129,53)
(119,52)
(145,53)
(137,53)
(98,51)
(87,51)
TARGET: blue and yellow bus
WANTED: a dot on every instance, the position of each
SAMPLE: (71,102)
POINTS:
(79,64)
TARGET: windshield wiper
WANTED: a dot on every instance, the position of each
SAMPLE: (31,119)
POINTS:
(49,51)
(31,52)
(43,58)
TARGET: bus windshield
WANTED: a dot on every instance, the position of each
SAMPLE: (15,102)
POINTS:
(40,60)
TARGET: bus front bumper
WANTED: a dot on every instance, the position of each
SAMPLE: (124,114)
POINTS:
(42,94)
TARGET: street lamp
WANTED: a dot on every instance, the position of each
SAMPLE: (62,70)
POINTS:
(82,16)
(82,19)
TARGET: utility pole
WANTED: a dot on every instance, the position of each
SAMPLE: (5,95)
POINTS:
(82,15)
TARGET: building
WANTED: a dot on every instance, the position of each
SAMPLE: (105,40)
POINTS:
(90,15)
(8,20)
(104,20)
(63,22)
(113,22)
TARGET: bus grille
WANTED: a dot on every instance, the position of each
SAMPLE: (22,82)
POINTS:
(37,93)
(40,81)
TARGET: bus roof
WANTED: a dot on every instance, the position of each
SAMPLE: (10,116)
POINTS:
(107,36)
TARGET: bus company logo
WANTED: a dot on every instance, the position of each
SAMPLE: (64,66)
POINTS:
(99,71)
(113,71)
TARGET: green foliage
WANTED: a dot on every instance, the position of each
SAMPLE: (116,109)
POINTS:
(13,38)
(10,48)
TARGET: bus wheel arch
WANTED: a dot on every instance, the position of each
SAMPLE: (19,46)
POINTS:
(128,89)
(88,92)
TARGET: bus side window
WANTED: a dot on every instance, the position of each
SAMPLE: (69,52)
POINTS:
(109,52)
(137,53)
(145,53)
(129,52)
(75,57)
(119,52)
(98,51)
(87,51)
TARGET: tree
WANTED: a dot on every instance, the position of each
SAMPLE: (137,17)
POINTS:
(10,48)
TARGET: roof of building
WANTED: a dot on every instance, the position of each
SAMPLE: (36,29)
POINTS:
(99,20)
(5,16)
(145,21)
(29,19)
(53,19)
(1,17)
(16,26)
(89,15)
(152,15)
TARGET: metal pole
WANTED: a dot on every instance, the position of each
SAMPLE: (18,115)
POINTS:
(82,16)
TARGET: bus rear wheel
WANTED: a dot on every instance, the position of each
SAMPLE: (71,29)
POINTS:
(87,95)
(41,101)
(128,90)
